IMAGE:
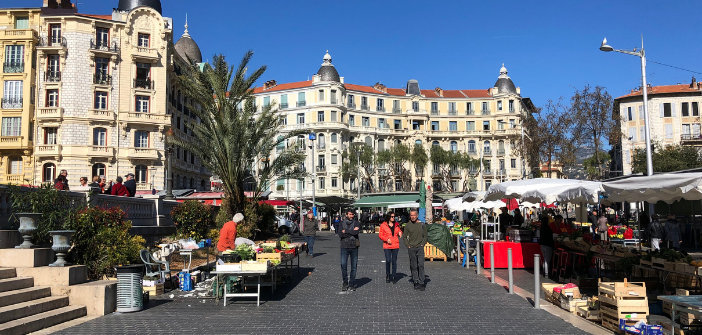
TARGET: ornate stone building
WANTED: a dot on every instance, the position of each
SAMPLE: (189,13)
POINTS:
(479,122)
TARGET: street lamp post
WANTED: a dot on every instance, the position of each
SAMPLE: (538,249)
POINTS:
(641,54)
(312,138)
(359,146)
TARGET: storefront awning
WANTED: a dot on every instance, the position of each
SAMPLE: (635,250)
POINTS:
(278,202)
(386,200)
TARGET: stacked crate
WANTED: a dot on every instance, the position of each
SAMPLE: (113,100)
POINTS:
(622,300)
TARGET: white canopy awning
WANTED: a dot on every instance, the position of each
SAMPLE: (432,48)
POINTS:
(544,190)
(411,205)
(474,196)
(668,187)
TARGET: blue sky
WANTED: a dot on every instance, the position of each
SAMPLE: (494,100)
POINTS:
(549,47)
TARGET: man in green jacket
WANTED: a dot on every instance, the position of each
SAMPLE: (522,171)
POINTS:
(415,237)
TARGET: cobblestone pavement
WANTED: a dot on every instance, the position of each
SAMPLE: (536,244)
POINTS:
(456,301)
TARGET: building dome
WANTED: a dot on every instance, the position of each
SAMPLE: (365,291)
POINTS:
(187,48)
(504,84)
(127,5)
(327,72)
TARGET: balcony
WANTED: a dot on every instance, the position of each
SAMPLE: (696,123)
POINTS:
(141,153)
(500,152)
(435,172)
(470,112)
(283,105)
(15,33)
(691,139)
(452,112)
(350,105)
(13,67)
(485,112)
(14,179)
(301,103)
(472,152)
(100,151)
(101,115)
(47,150)
(487,172)
(10,142)
(144,53)
(434,112)
(321,146)
(103,47)
(143,186)
(52,76)
(512,110)
(487,152)
(380,109)
(455,173)
(333,101)
(52,42)
(396,110)
(144,83)
(365,107)
(148,118)
(321,169)
(50,114)
(102,79)
(11,103)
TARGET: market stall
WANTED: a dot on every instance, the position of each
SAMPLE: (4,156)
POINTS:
(522,254)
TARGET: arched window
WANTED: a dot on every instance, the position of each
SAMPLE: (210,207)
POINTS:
(48,172)
(381,145)
(486,147)
(15,166)
(418,142)
(471,146)
(333,138)
(369,141)
(99,170)
(192,182)
(184,183)
(202,185)
(322,141)
(454,146)
(501,146)
(435,143)
(140,174)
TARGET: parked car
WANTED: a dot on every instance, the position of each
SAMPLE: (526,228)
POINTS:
(286,226)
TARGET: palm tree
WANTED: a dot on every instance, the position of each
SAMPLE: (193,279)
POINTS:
(232,137)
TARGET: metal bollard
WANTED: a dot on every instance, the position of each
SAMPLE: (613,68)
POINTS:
(509,270)
(466,256)
(537,277)
(492,263)
(478,264)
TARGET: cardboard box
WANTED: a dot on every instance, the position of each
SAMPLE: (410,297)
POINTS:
(154,290)
(254,266)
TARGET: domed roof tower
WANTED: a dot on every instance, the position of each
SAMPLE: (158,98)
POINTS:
(186,46)
(504,84)
(127,5)
(327,72)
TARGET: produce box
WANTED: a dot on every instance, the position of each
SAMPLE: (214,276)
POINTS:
(658,262)
(589,314)
(228,267)
(645,263)
(680,267)
(690,269)
(254,266)
(582,246)
(154,290)
(669,266)
(623,289)
(269,255)
(572,302)
(549,295)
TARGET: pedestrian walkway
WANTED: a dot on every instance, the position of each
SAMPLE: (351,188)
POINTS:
(456,301)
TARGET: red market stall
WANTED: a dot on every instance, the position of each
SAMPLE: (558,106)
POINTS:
(522,254)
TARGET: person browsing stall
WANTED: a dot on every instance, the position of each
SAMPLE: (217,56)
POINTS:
(227,236)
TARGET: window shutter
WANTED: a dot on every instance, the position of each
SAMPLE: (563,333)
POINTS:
(660,106)
(641,112)
(672,110)
(642,133)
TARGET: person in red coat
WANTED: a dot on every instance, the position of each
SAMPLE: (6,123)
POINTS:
(119,189)
(227,236)
(390,234)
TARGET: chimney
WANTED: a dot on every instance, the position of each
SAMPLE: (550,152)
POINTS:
(439,91)
(380,87)
(694,82)
(269,84)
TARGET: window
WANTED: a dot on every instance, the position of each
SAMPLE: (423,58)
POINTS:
(12,95)
(486,108)
(369,141)
(513,161)
(300,118)
(100,100)
(102,36)
(143,71)
(435,143)
(333,116)
(415,106)
(396,106)
(334,183)
(486,147)
(454,146)
(350,103)
(48,172)
(140,174)
(364,102)
(500,124)
(398,124)
(101,66)
(453,125)
(434,125)
(283,101)
(100,137)
(333,138)
(320,116)
(332,96)
(366,121)
(499,105)
(435,107)
(55,33)
(22,22)
(333,159)
(471,146)
(695,109)
(630,113)
(685,110)
(470,125)
(53,66)
(52,98)
(321,139)
(512,124)
(99,170)
(11,126)
(321,95)
(50,135)
(143,40)
(321,183)
(666,111)
(266,101)
(142,103)
(641,112)
(669,131)
(301,99)
(511,106)
(642,133)
(486,125)
(381,123)
(352,120)
(452,108)
(686,130)
(632,134)
(381,145)
(141,139)
(380,105)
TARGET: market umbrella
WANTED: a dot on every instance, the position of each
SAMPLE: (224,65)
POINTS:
(511,204)
(582,191)
(667,187)
(515,189)
(474,196)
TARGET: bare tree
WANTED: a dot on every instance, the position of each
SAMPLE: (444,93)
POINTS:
(591,110)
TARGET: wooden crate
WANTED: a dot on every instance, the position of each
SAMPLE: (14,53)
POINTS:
(572,305)
(669,266)
(270,255)
(254,266)
(154,290)
(625,303)
(658,262)
(589,314)
(431,252)
(645,263)
(549,295)
(611,324)
(615,313)
(623,289)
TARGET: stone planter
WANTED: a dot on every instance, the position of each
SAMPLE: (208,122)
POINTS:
(61,244)
(28,225)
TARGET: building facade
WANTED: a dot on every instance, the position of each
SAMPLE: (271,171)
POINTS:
(674,116)
(106,96)
(481,123)
(19,29)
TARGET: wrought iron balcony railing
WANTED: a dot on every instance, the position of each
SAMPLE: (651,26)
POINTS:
(283,105)
(485,112)
(144,83)
(301,103)
(12,103)
(365,107)
(103,46)
(351,105)
(52,76)
(470,112)
(380,109)
(13,67)
(452,112)
(52,41)
(396,110)
(102,79)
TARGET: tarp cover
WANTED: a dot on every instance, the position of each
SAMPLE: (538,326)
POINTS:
(440,237)
(667,187)
(386,200)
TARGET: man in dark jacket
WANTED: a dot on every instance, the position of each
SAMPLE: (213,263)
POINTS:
(415,237)
(348,233)
(310,225)
(657,232)
(130,184)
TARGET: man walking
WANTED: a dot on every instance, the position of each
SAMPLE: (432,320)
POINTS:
(348,233)
(130,184)
(656,232)
(310,226)
(415,237)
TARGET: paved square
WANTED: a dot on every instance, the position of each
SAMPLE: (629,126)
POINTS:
(457,301)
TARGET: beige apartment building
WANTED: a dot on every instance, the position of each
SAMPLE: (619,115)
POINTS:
(480,122)
(674,115)
(18,41)
(107,96)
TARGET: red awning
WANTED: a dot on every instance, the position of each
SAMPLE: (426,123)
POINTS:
(278,202)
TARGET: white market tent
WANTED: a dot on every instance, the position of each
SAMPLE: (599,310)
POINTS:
(474,196)
(411,205)
(545,190)
(667,187)
(457,204)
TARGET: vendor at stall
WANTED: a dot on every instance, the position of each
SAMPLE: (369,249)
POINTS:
(227,236)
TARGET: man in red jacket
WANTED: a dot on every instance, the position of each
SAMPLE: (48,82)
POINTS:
(119,189)
(227,236)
